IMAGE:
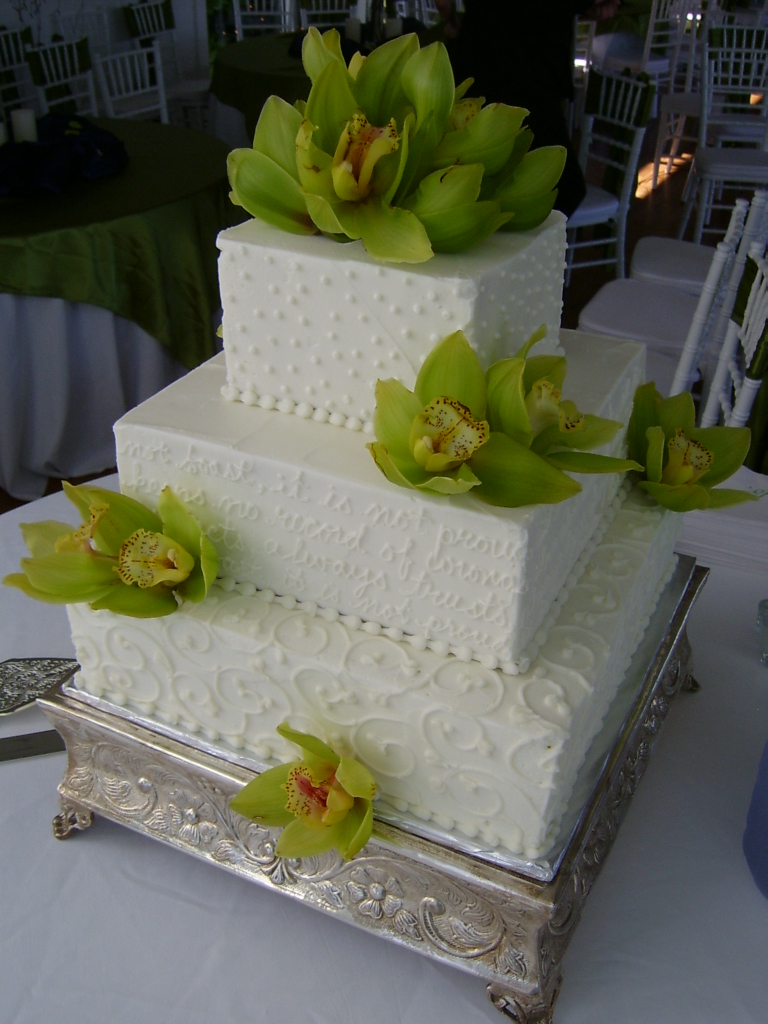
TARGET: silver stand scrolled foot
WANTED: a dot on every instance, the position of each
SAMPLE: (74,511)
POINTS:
(524,1009)
(72,819)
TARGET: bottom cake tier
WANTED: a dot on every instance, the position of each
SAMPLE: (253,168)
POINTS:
(491,755)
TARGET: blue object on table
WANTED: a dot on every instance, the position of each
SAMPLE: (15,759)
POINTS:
(68,148)
(755,842)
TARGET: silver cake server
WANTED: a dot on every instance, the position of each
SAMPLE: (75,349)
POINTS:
(23,680)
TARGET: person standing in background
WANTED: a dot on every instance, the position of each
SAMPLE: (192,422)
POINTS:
(521,53)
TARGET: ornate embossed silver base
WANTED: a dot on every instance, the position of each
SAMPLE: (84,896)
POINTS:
(509,929)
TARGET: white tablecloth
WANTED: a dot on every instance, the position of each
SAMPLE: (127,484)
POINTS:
(112,926)
(67,372)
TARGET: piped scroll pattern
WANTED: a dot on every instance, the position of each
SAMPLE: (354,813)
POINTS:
(189,809)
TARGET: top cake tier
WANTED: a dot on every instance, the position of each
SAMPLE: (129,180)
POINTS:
(313,324)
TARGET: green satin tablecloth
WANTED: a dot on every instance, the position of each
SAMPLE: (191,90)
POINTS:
(247,73)
(141,243)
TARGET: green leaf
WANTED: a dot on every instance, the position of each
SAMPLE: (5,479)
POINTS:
(676,412)
(728,446)
(396,409)
(464,226)
(488,139)
(724,497)
(265,798)
(511,475)
(654,458)
(124,518)
(275,134)
(388,233)
(551,368)
(268,192)
(507,411)
(644,415)
(139,603)
(41,538)
(330,105)
(452,370)
(20,582)
(310,743)
(427,81)
(378,87)
(355,778)
(313,166)
(355,830)
(442,191)
(536,175)
(588,462)
(678,497)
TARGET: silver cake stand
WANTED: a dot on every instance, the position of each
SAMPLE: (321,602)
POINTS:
(510,927)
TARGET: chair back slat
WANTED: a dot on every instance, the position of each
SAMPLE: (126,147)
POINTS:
(63,75)
(253,17)
(132,84)
(324,13)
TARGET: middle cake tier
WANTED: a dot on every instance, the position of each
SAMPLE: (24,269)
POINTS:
(299,508)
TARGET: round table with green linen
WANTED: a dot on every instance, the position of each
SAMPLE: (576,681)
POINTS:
(247,73)
(141,243)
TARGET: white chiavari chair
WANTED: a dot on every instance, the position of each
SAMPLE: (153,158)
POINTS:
(323,14)
(63,75)
(131,84)
(254,17)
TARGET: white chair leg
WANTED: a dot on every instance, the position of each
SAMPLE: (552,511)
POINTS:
(705,200)
(744,403)
(661,138)
(687,209)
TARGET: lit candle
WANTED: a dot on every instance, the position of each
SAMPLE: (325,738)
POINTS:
(24,125)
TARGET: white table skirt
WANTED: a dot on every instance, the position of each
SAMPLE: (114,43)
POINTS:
(67,372)
(112,926)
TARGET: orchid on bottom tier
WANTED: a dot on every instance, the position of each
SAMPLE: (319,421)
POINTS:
(684,462)
(437,437)
(123,557)
(321,802)
(389,150)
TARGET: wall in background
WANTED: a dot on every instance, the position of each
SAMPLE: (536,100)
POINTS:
(189,15)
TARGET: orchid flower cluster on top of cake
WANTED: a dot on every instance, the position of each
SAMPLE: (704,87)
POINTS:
(390,151)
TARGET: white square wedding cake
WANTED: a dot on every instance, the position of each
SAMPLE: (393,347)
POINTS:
(465,654)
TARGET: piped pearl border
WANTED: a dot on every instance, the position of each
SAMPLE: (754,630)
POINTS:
(304,410)
(442,647)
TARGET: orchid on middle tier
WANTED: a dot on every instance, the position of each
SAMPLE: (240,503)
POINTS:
(390,151)
(508,436)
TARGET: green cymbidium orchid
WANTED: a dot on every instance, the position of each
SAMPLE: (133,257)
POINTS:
(123,557)
(437,438)
(321,802)
(526,404)
(683,462)
(389,151)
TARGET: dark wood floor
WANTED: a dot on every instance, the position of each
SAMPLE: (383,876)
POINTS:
(652,213)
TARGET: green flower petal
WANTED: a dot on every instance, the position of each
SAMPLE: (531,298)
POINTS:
(488,139)
(588,462)
(551,368)
(323,214)
(298,840)
(388,233)
(20,582)
(464,226)
(378,86)
(535,176)
(310,743)
(41,538)
(452,370)
(511,475)
(178,522)
(724,497)
(150,603)
(458,482)
(395,161)
(317,51)
(529,214)
(355,830)
(264,797)
(355,778)
(401,472)
(125,515)
(419,162)
(74,575)
(461,89)
(275,134)
(507,411)
(728,446)
(268,192)
(312,164)
(396,409)
(654,458)
(678,498)
(644,415)
(427,81)
(538,335)
(330,105)
(442,191)
(675,413)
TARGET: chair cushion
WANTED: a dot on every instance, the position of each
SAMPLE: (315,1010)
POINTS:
(670,262)
(597,207)
(640,311)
